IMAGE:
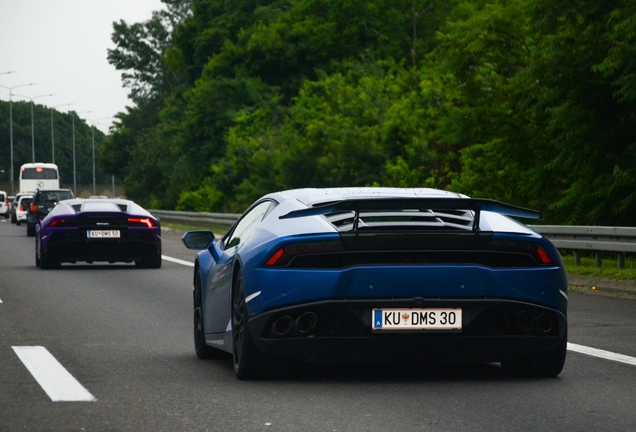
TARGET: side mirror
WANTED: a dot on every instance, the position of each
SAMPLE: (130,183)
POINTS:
(198,240)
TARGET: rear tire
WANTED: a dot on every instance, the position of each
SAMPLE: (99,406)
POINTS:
(37,257)
(202,350)
(151,262)
(547,364)
(45,262)
(30,231)
(248,359)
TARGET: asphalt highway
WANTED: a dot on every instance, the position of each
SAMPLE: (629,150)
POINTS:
(109,348)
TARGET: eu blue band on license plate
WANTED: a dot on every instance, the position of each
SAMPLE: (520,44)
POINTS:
(417,319)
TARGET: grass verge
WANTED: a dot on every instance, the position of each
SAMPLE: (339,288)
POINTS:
(609,270)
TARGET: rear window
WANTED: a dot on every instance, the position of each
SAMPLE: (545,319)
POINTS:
(39,174)
(54,196)
(100,206)
(26,201)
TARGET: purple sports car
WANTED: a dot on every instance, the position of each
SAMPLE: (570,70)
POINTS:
(88,230)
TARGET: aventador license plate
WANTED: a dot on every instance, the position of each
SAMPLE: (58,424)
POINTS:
(417,319)
(103,234)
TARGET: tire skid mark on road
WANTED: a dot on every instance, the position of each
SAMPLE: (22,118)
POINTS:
(54,379)
(178,261)
(594,352)
(607,355)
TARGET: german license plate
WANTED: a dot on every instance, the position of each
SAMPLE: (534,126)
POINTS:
(103,234)
(417,319)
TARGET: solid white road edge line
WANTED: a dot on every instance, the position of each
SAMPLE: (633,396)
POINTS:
(56,381)
(572,347)
(178,261)
(608,355)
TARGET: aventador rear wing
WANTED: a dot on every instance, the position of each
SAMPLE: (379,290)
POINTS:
(437,210)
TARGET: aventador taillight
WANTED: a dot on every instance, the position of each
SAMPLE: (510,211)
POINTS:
(141,222)
(284,255)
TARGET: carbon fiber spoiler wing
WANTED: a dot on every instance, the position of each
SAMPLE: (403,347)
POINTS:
(477,205)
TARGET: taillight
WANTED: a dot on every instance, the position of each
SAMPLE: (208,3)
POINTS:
(33,208)
(21,207)
(518,248)
(59,223)
(284,255)
(543,256)
(147,222)
(275,257)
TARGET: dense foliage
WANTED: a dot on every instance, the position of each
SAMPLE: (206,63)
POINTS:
(61,142)
(527,101)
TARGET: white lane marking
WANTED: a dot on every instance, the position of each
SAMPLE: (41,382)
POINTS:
(608,355)
(178,261)
(56,381)
(0,300)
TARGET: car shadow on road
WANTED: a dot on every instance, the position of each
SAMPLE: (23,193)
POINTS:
(393,372)
(288,370)
(85,266)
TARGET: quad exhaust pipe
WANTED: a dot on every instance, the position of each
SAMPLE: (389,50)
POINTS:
(525,320)
(306,322)
(544,323)
(282,326)
(302,325)
(528,322)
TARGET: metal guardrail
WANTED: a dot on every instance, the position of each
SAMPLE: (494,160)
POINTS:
(576,238)
(591,238)
(217,222)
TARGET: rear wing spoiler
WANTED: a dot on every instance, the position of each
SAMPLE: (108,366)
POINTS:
(477,205)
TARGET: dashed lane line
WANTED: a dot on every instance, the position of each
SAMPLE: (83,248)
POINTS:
(56,381)
(607,355)
(178,261)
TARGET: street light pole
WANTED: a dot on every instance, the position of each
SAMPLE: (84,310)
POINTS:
(74,164)
(11,123)
(32,124)
(53,134)
(93,131)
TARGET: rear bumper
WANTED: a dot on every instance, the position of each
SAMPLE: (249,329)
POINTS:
(491,332)
(107,251)
(70,247)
